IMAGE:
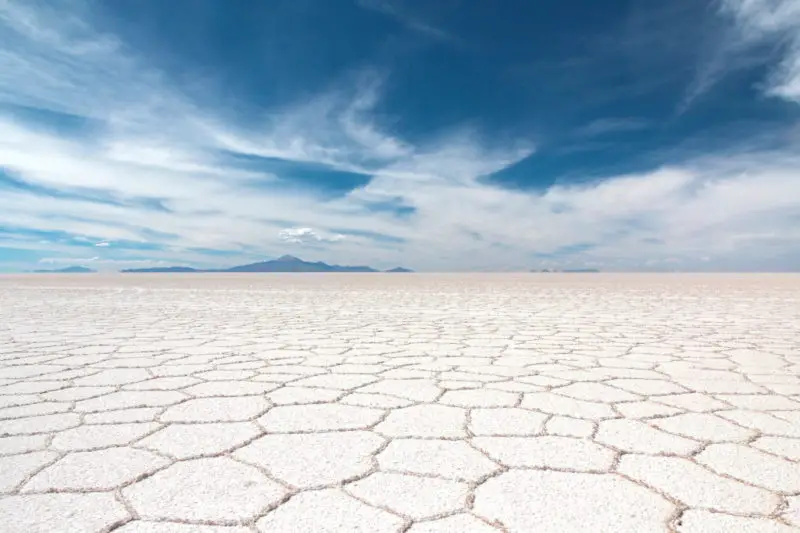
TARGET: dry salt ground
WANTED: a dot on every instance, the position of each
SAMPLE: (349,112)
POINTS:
(400,403)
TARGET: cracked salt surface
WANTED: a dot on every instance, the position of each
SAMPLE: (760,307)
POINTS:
(421,404)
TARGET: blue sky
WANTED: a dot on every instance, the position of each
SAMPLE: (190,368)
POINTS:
(449,135)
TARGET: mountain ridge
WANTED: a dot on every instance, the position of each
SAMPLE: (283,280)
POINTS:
(67,270)
(285,263)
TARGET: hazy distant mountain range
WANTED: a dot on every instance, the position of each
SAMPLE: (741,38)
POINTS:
(167,269)
(570,270)
(286,263)
(67,270)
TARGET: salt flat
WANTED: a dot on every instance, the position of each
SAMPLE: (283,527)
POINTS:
(384,403)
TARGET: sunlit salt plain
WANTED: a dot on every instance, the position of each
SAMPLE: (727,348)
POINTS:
(544,403)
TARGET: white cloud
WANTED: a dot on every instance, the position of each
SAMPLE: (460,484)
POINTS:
(775,22)
(305,235)
(753,33)
(149,144)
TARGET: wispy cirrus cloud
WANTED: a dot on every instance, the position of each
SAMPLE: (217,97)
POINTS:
(396,10)
(775,23)
(753,33)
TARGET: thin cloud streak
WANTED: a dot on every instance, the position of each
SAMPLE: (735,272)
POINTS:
(755,32)
(394,10)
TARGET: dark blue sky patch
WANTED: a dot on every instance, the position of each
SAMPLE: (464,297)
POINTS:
(288,48)
(602,88)
(521,67)
(61,123)
(529,174)
(318,179)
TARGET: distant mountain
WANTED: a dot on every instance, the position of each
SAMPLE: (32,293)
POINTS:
(67,270)
(289,263)
(286,263)
(569,270)
(401,270)
(161,269)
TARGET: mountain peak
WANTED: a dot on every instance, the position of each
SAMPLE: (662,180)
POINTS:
(285,263)
(67,270)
